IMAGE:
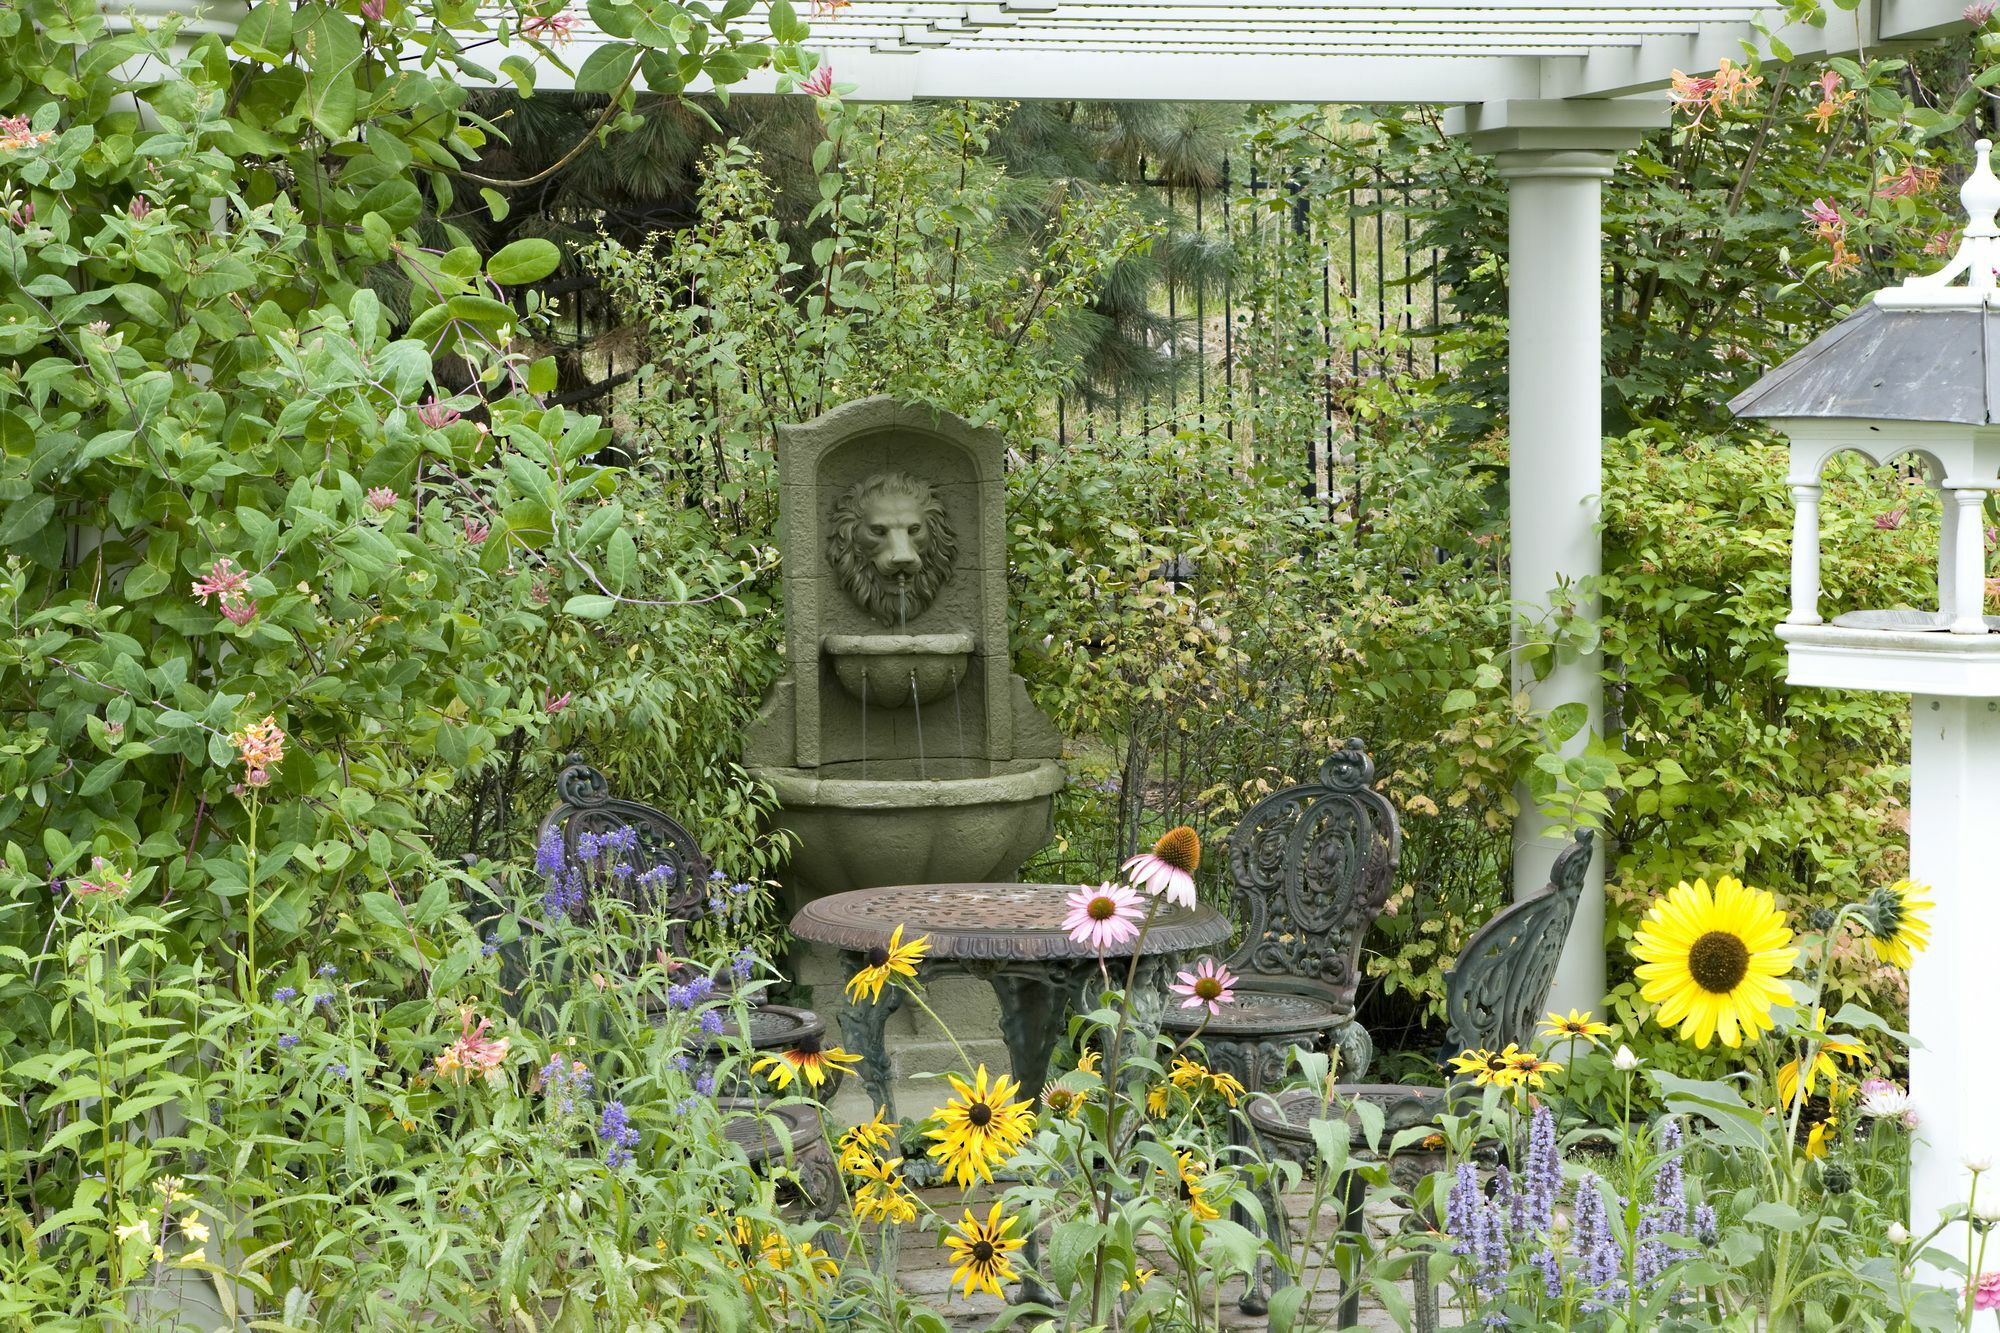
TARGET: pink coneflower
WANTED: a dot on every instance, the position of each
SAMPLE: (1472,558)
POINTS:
(1209,986)
(1986,1292)
(820,83)
(475,531)
(110,880)
(435,414)
(381,499)
(1103,917)
(1169,868)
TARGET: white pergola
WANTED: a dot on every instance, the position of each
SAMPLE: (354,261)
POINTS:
(1553,91)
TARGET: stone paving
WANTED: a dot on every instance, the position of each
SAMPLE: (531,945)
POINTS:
(923,1268)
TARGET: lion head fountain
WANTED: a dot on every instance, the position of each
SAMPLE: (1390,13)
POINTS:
(901,746)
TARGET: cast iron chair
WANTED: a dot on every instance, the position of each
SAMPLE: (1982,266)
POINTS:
(1495,995)
(1313,866)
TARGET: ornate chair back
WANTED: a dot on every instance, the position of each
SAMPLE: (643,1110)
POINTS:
(1496,991)
(1313,866)
(593,847)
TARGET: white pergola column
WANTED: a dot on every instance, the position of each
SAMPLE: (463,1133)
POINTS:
(1555,157)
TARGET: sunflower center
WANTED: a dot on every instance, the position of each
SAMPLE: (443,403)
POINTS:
(878,956)
(1180,848)
(982,1252)
(1101,909)
(979,1114)
(1207,988)
(1719,961)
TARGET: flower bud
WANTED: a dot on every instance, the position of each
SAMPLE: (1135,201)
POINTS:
(1897,1234)
(1624,1061)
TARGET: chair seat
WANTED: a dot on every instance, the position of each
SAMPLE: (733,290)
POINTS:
(1284,1120)
(1261,1012)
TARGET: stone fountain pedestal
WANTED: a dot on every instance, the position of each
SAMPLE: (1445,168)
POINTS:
(901,746)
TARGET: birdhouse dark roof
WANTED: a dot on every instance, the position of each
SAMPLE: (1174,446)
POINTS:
(1940,364)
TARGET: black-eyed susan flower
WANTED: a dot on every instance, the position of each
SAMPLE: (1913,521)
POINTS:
(982,1125)
(980,1252)
(1168,870)
(1065,1102)
(1528,1068)
(882,1195)
(883,964)
(1574,1026)
(1894,920)
(808,1060)
(1159,1099)
(866,1141)
(1713,960)
(1823,1062)
(1196,1186)
(1819,1132)
(1194,1077)
(1486,1067)
(1089,1060)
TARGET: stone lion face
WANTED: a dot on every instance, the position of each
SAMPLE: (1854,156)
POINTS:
(890,546)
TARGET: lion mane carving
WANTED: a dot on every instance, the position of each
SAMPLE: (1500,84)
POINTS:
(889,545)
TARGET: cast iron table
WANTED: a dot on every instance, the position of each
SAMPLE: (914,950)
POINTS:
(1011,936)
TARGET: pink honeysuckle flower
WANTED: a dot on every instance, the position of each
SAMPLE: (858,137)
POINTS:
(109,880)
(475,531)
(1168,870)
(1822,214)
(1209,986)
(227,584)
(1908,183)
(240,613)
(435,414)
(18,132)
(1103,917)
(1892,520)
(473,1052)
(555,28)
(555,703)
(139,207)
(373,10)
(1977,14)
(261,746)
(100,327)
(1940,244)
(381,499)
(819,83)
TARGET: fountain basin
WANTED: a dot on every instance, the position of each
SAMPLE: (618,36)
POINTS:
(889,670)
(969,821)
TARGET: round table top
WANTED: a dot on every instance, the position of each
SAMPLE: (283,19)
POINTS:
(989,922)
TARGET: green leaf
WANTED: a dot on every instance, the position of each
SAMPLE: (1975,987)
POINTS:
(606,68)
(621,558)
(26,517)
(1777,1216)
(590,606)
(265,33)
(527,260)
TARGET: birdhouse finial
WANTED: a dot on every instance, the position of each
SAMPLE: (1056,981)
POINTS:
(1978,257)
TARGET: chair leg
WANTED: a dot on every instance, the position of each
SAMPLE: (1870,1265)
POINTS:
(1253,1301)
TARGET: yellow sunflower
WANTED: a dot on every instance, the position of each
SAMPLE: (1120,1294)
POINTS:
(1893,918)
(980,1252)
(981,1126)
(1487,1067)
(1712,961)
(882,965)
(1574,1026)
(808,1059)
(865,1142)
(1195,1186)
(1823,1060)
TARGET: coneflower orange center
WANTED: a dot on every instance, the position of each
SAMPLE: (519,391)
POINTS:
(1719,961)
(1207,988)
(1180,848)
(1102,909)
